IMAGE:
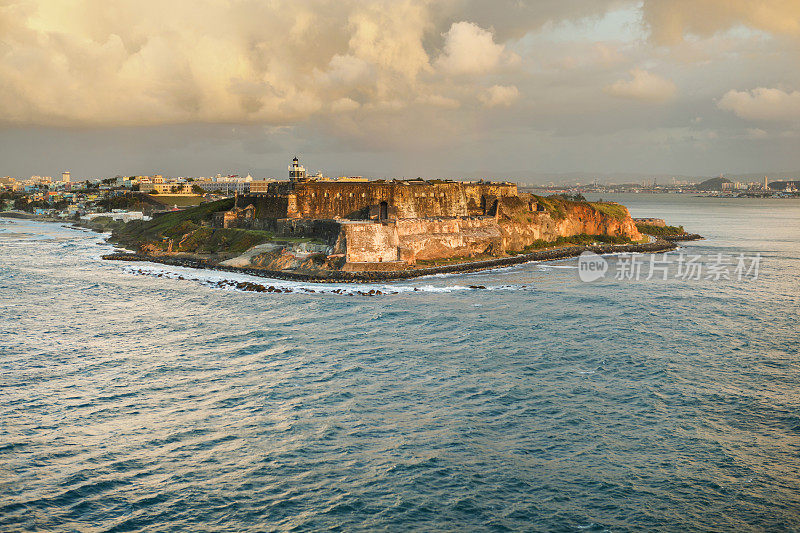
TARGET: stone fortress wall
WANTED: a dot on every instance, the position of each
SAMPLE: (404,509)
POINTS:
(409,199)
(405,221)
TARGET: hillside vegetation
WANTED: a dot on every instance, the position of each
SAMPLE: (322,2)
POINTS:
(557,207)
(614,210)
(137,232)
(190,231)
(660,231)
(575,240)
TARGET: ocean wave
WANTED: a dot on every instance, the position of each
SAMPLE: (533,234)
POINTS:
(247,283)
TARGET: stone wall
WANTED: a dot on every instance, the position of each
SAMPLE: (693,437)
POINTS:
(427,239)
(370,242)
(410,240)
(267,206)
(412,199)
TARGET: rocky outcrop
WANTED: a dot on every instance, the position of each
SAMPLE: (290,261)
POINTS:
(522,220)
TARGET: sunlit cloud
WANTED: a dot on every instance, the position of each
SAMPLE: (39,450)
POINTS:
(763,104)
(670,21)
(404,76)
(499,95)
(644,86)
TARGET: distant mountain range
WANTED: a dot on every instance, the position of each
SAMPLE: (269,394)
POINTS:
(570,178)
(715,184)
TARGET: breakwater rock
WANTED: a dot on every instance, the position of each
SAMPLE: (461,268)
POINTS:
(334,276)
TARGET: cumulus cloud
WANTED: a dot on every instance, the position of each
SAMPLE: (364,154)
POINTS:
(384,72)
(469,49)
(142,62)
(643,86)
(762,104)
(499,95)
(146,62)
(669,21)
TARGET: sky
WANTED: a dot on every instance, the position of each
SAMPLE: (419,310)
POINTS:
(399,88)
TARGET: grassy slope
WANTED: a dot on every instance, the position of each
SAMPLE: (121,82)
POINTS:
(618,211)
(176,225)
(659,231)
(558,206)
(188,233)
(580,240)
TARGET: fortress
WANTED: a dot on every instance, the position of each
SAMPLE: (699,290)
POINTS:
(376,225)
(311,198)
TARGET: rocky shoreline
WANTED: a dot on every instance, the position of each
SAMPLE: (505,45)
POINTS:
(660,245)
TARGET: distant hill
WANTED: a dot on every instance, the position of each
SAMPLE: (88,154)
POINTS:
(781,185)
(714,184)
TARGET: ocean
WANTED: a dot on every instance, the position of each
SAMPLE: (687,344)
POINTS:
(142,397)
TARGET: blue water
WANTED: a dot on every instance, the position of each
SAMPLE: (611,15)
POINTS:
(133,402)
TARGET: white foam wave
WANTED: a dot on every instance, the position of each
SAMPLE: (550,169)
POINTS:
(248,283)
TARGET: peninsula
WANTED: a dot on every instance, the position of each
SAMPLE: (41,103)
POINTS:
(353,229)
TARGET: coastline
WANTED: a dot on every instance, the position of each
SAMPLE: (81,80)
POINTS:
(660,245)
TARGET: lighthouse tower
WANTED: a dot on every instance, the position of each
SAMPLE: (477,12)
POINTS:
(297,172)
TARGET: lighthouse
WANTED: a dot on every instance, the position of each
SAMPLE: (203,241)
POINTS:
(297,172)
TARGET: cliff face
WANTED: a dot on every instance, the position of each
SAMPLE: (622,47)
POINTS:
(525,220)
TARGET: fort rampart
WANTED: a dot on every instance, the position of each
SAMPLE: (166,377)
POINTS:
(409,199)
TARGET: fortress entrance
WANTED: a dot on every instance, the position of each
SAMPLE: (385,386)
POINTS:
(383,212)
